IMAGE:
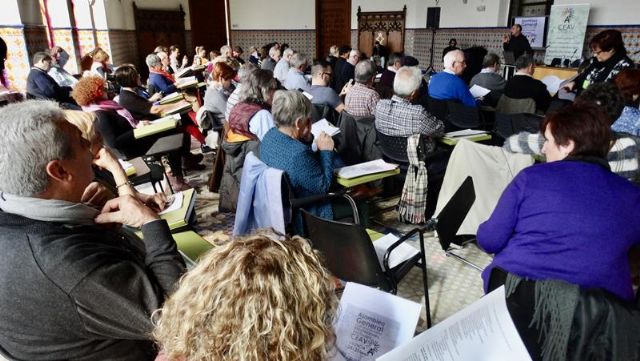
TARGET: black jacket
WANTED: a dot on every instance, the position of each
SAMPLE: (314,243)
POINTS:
(522,86)
(41,85)
(518,45)
(81,293)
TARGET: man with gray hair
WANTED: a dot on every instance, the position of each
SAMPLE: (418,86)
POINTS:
(269,63)
(295,79)
(489,78)
(282,68)
(234,98)
(159,79)
(74,286)
(447,85)
(361,99)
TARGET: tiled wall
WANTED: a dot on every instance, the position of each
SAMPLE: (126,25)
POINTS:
(123,45)
(86,41)
(36,39)
(17,64)
(303,41)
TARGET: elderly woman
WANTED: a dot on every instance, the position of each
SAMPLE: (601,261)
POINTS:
(609,58)
(256,298)
(249,120)
(215,100)
(100,65)
(287,147)
(115,124)
(628,81)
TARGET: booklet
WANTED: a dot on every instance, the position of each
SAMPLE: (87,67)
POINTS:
(371,322)
(171,98)
(482,331)
(371,167)
(323,125)
(464,133)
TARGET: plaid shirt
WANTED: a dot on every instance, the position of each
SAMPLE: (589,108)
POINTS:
(397,117)
(361,101)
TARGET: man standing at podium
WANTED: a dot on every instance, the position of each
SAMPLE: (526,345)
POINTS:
(516,42)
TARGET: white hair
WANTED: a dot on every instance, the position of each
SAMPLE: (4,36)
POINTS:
(153,60)
(451,57)
(289,106)
(32,137)
(273,52)
(297,60)
(364,71)
(287,53)
(225,49)
(407,81)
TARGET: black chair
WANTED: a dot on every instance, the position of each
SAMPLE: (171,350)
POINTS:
(349,255)
(451,217)
(356,142)
(324,111)
(455,115)
(507,125)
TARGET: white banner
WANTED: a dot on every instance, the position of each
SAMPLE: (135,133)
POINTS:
(567,27)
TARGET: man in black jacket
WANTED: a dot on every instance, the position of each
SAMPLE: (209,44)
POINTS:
(74,286)
(522,85)
(516,42)
(40,85)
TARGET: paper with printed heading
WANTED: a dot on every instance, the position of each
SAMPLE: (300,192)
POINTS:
(371,322)
(402,253)
(482,331)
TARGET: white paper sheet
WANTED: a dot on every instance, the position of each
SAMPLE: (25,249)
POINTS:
(371,322)
(174,202)
(166,119)
(482,331)
(323,125)
(400,254)
(371,167)
(464,133)
(125,165)
(552,82)
(478,91)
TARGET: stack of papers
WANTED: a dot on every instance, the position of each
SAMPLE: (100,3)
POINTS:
(129,169)
(186,82)
(366,168)
(171,98)
(464,133)
(478,92)
(400,254)
(174,202)
(177,108)
(168,118)
(323,125)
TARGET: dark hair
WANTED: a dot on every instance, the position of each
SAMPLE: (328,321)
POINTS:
(586,124)
(490,59)
(518,26)
(127,76)
(238,49)
(605,95)
(628,82)
(344,49)
(40,56)
(607,40)
(523,61)
(173,48)
(222,70)
(453,39)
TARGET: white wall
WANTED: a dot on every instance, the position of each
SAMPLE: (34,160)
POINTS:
(30,12)
(120,13)
(272,14)
(10,14)
(59,14)
(609,12)
(453,13)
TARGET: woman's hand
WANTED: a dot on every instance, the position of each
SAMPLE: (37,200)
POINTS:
(570,86)
(324,142)
(155,97)
(105,159)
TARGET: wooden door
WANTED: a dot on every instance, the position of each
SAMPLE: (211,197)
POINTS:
(208,24)
(333,25)
(387,27)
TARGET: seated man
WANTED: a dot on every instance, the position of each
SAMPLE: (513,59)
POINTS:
(269,63)
(40,85)
(361,100)
(320,90)
(59,58)
(447,85)
(72,288)
(522,85)
(489,78)
(295,79)
(282,68)
(346,71)
(385,87)
(159,79)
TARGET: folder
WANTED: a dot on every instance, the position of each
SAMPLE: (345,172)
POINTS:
(180,218)
(171,98)
(157,126)
(365,172)
(178,108)
(192,244)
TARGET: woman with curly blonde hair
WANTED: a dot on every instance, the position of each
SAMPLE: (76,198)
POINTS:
(254,298)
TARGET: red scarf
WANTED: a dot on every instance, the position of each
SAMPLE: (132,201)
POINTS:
(164,74)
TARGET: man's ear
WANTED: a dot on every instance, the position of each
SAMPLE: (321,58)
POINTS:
(56,170)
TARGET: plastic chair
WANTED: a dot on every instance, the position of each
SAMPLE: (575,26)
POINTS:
(349,255)
(456,116)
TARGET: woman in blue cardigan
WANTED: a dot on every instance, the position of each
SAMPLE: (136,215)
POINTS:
(287,147)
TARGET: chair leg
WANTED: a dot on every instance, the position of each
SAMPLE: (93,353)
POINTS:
(425,280)
(463,260)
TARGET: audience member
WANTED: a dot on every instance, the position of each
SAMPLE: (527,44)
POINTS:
(234,97)
(254,56)
(343,54)
(226,51)
(347,70)
(215,99)
(249,120)
(116,125)
(628,81)
(283,304)
(200,56)
(522,85)
(160,48)
(609,58)
(40,85)
(159,79)
(453,45)
(237,54)
(59,58)
(100,65)
(165,62)
(361,99)
(320,90)
(282,68)
(174,59)
(333,56)
(447,85)
(490,78)
(287,147)
(394,63)
(295,78)
(516,42)
(85,291)
(269,63)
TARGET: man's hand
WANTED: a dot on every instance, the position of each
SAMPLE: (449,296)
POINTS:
(570,86)
(505,38)
(155,97)
(157,202)
(185,60)
(96,194)
(126,210)
(324,142)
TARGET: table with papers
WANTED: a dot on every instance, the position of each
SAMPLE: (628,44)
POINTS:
(452,138)
(365,172)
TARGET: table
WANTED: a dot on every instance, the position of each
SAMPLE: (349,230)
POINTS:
(562,73)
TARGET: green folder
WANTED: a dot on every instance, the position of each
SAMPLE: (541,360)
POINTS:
(351,182)
(192,244)
(157,126)
(474,138)
(171,98)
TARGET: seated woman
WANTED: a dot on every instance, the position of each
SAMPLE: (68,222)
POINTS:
(309,172)
(200,56)
(256,298)
(115,124)
(215,100)
(249,120)
(100,65)
(628,81)
(571,218)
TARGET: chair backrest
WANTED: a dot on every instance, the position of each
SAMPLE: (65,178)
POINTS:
(348,251)
(439,108)
(394,149)
(462,117)
(454,213)
(507,125)
(324,111)
(508,105)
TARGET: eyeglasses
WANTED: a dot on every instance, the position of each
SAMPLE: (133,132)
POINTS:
(597,52)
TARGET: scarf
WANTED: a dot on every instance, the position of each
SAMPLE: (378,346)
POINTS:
(413,200)
(164,74)
(240,116)
(49,210)
(111,105)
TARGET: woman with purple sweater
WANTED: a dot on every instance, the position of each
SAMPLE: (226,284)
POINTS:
(570,219)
